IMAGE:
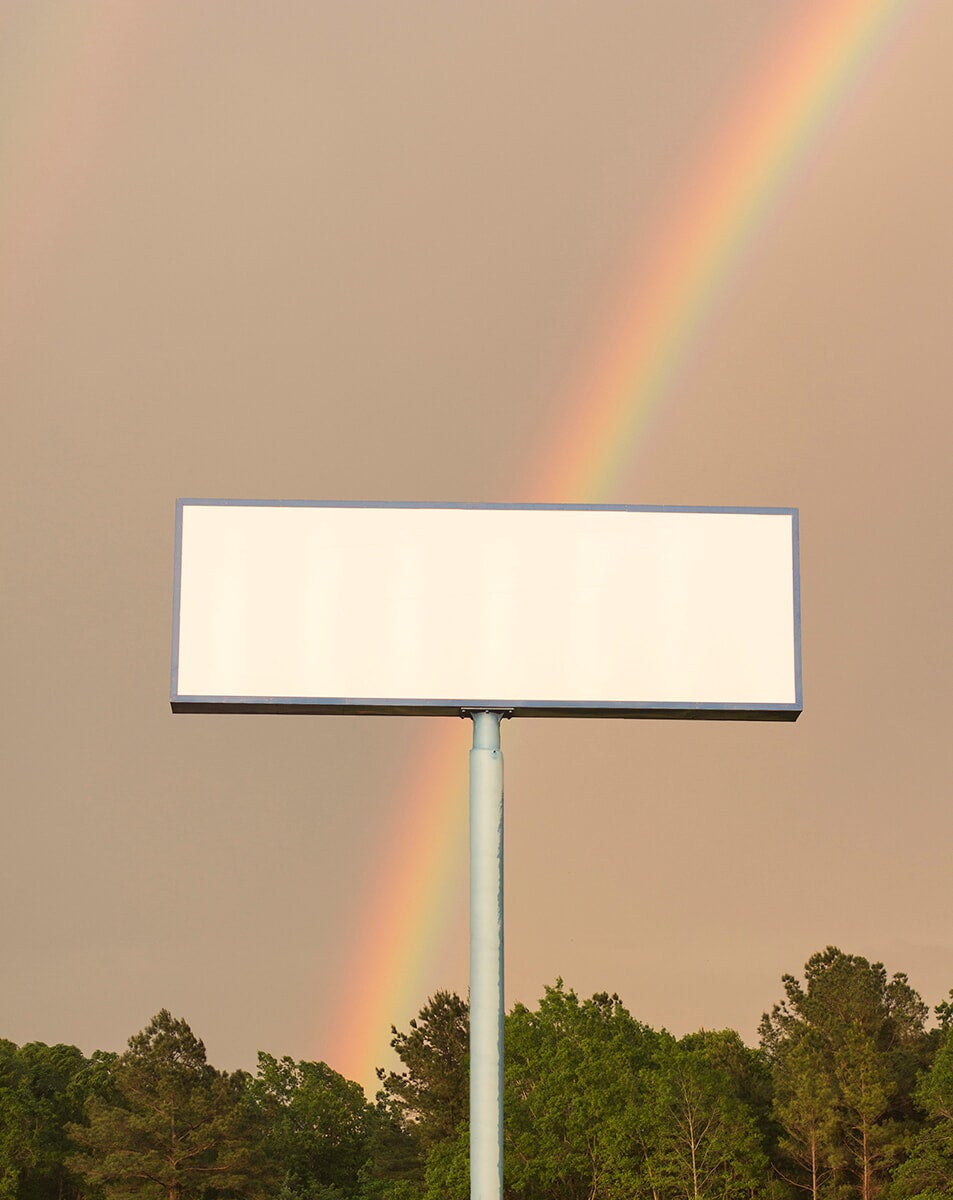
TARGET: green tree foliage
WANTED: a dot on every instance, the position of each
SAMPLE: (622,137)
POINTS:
(569,1068)
(848,1098)
(599,1107)
(394,1169)
(55,1078)
(174,1129)
(423,1106)
(318,1126)
(569,1105)
(431,1093)
(806,1109)
(42,1090)
(845,1049)
(698,1135)
(14,1125)
(928,1172)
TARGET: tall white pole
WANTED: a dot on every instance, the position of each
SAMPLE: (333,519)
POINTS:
(486,959)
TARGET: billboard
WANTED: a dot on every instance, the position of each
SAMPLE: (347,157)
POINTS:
(535,610)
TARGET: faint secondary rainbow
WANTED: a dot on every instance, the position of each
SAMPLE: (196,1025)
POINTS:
(795,90)
(74,69)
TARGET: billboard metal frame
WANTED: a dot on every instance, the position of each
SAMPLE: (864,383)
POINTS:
(633,709)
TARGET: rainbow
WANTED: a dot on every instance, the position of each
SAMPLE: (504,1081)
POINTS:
(404,919)
(810,69)
(799,86)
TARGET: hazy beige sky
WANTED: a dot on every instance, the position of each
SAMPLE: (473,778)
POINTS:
(368,251)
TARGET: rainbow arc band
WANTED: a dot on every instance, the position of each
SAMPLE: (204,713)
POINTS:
(821,55)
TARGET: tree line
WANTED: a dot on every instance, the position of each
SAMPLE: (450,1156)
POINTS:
(849,1096)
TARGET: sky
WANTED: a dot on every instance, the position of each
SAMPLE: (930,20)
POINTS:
(646,253)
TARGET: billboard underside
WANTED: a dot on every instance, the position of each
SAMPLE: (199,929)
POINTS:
(536,610)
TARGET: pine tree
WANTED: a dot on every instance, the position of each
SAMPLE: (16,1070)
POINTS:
(928,1172)
(805,1102)
(432,1092)
(177,1129)
(847,1044)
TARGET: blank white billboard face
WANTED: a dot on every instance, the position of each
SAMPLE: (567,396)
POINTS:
(539,610)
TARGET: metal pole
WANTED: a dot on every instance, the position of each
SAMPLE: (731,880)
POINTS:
(486,959)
